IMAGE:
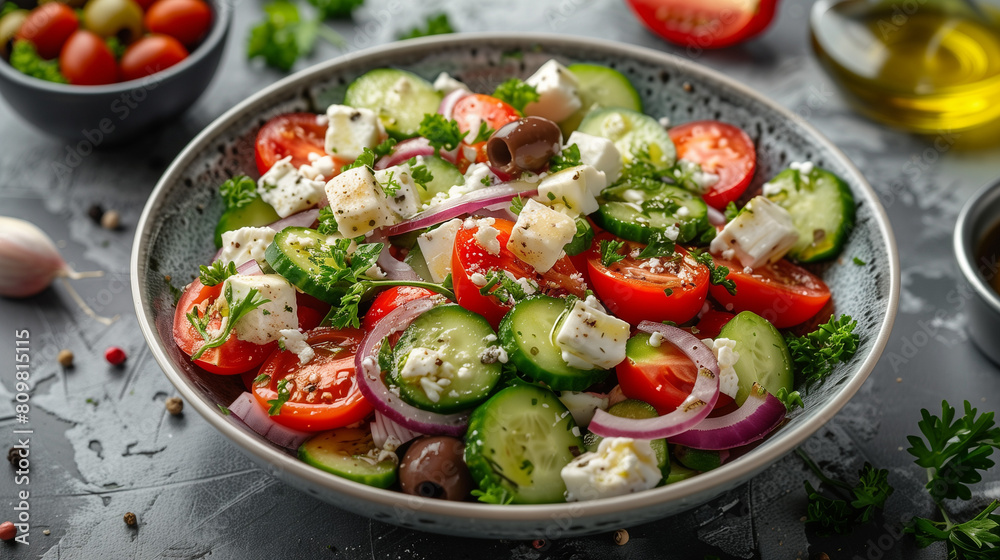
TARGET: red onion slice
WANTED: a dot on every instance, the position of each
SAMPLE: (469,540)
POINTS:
(305,218)
(249,268)
(385,401)
(383,428)
(393,268)
(246,408)
(693,410)
(761,413)
(447,106)
(715,217)
(452,208)
(404,151)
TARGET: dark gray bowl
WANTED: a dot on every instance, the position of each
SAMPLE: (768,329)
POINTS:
(978,218)
(114,113)
(175,231)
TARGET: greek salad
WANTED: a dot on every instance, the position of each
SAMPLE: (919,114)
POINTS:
(531,296)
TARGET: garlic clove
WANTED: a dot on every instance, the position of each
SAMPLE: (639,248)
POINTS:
(29,260)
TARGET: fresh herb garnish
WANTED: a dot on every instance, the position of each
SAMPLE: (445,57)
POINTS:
(329,9)
(718,275)
(516,204)
(421,175)
(610,252)
(436,25)
(327,221)
(238,192)
(505,287)
(224,410)
(216,273)
(836,515)
(790,400)
(25,59)
(516,93)
(731,211)
(283,395)
(369,156)
(641,168)
(284,36)
(815,354)
(484,133)
(659,246)
(441,133)
(236,311)
(859,262)
(567,158)
(391,186)
(262,378)
(493,494)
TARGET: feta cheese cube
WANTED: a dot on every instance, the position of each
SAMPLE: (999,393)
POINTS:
(583,405)
(557,95)
(540,234)
(358,203)
(574,188)
(727,356)
(591,336)
(620,466)
(264,324)
(351,130)
(245,244)
(287,190)
(406,201)
(436,246)
(598,152)
(762,233)
(446,84)
(295,342)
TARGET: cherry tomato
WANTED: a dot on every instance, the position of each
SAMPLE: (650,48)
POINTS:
(234,356)
(324,393)
(710,323)
(389,300)
(662,376)
(783,293)
(292,134)
(311,311)
(468,257)
(150,55)
(722,149)
(86,60)
(188,21)
(472,110)
(704,25)
(633,291)
(144,4)
(48,27)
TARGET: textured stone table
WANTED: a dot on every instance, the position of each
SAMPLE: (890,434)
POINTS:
(102,444)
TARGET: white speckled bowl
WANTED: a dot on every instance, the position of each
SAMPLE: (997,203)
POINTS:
(175,233)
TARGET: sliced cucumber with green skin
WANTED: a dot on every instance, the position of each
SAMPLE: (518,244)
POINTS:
(764,356)
(822,209)
(679,472)
(291,255)
(600,87)
(528,334)
(399,98)
(461,338)
(415,258)
(634,408)
(635,210)
(632,132)
(519,441)
(445,174)
(349,453)
(697,459)
(583,238)
(254,214)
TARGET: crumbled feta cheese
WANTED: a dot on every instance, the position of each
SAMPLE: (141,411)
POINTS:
(619,466)
(428,369)
(574,188)
(319,167)
(583,405)
(351,130)
(655,339)
(486,236)
(598,152)
(671,232)
(557,92)
(358,203)
(701,180)
(803,167)
(263,325)
(493,354)
(614,127)
(682,212)
(295,342)
(375,273)
(245,244)
(446,84)
(727,356)
(436,246)
(762,233)
(478,279)
(591,336)
(539,235)
(287,190)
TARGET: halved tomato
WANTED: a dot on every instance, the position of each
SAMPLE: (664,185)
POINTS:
(722,149)
(387,301)
(783,293)
(324,393)
(292,134)
(705,25)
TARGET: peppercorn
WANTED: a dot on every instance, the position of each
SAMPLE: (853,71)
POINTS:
(96,212)
(174,405)
(65,358)
(540,544)
(13,455)
(111,220)
(130,519)
(621,537)
(7,531)
(115,356)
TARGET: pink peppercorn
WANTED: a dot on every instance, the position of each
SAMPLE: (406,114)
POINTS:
(115,356)
(7,531)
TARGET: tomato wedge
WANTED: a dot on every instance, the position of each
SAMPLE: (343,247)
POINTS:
(468,258)
(722,149)
(234,356)
(387,301)
(292,134)
(783,293)
(324,392)
(705,25)
(634,291)
(662,376)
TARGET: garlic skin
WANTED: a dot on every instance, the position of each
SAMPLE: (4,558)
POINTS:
(29,260)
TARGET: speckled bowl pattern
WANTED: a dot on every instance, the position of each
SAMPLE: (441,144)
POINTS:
(175,234)
(114,113)
(979,216)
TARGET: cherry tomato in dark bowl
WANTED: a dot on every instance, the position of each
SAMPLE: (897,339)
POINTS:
(188,21)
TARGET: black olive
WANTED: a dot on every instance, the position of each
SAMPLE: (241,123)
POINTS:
(524,145)
(434,467)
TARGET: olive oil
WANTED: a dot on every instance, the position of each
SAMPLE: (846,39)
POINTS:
(915,64)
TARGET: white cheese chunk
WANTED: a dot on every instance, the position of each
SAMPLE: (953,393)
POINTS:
(405,202)
(574,188)
(319,168)
(436,246)
(428,369)
(557,92)
(727,356)
(295,342)
(358,203)
(245,244)
(351,130)
(598,152)
(287,190)
(583,405)
(446,84)
(592,337)
(486,236)
(762,233)
(619,466)
(264,324)
(540,234)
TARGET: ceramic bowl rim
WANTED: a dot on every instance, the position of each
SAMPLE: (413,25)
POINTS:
(965,240)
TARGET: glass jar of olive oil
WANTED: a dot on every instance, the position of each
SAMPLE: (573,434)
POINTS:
(921,65)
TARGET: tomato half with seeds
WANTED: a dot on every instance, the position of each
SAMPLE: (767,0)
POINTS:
(234,356)
(324,393)
(637,289)
(387,302)
(783,293)
(292,134)
(722,149)
(705,25)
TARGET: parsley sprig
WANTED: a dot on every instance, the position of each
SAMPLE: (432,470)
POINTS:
(567,158)
(238,191)
(283,395)
(285,35)
(421,175)
(516,93)
(659,246)
(731,211)
(718,275)
(505,287)
(837,515)
(437,24)
(328,9)
(236,310)
(327,221)
(216,273)
(369,156)
(815,354)
(441,133)
(610,252)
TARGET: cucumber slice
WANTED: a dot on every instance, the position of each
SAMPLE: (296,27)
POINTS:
(764,357)
(528,332)
(254,214)
(679,472)
(600,87)
(632,132)
(461,338)
(633,408)
(349,453)
(445,175)
(697,459)
(822,209)
(635,210)
(399,98)
(582,239)
(519,441)
(292,255)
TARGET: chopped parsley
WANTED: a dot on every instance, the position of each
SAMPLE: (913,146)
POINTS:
(437,24)
(237,310)
(505,287)
(516,93)
(718,275)
(859,262)
(284,35)
(216,273)
(659,246)
(610,252)
(329,9)
(327,221)
(283,395)
(567,158)
(369,156)
(238,192)
(815,354)
(441,133)
(731,211)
